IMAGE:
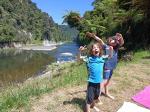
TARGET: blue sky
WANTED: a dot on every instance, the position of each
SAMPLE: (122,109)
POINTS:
(58,8)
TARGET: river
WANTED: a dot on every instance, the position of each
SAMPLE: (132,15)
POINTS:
(18,65)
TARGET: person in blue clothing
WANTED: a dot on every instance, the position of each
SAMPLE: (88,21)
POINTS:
(95,63)
(115,42)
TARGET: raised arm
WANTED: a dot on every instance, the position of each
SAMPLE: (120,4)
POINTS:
(79,57)
(92,35)
(111,51)
(120,39)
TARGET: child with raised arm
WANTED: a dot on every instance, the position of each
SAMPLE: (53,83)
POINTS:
(115,41)
(95,62)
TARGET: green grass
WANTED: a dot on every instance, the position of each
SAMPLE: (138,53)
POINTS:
(141,55)
(136,58)
(17,97)
(71,74)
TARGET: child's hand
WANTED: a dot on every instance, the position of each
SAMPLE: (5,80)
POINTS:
(82,48)
(111,51)
(118,36)
(119,39)
(88,34)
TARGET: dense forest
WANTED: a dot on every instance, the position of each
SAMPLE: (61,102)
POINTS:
(22,21)
(129,17)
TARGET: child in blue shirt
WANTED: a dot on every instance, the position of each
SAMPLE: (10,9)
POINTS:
(95,63)
(115,42)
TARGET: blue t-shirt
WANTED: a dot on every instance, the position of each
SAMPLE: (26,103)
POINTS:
(95,68)
(111,63)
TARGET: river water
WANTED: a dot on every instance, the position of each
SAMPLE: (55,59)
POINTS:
(18,65)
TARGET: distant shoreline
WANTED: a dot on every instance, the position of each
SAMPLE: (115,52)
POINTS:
(41,47)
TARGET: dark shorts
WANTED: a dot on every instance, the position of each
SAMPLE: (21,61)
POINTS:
(93,91)
(108,74)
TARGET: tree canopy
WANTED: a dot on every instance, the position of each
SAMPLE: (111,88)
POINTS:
(129,17)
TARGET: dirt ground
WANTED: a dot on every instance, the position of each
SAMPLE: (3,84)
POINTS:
(127,80)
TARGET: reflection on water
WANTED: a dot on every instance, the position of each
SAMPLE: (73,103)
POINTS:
(18,65)
(66,52)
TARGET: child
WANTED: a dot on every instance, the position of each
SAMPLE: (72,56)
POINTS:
(95,63)
(115,41)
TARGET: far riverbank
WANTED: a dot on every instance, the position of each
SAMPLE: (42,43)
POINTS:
(43,47)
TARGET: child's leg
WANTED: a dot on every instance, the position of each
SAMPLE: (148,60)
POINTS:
(96,109)
(106,82)
(99,100)
(87,107)
(101,87)
(108,75)
(89,96)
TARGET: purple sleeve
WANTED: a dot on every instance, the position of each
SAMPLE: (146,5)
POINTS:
(104,46)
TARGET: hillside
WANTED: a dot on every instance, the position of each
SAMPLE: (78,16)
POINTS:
(21,20)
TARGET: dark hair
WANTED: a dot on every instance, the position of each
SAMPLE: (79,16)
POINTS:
(112,38)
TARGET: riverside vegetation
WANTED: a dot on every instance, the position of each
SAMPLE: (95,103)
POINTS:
(21,21)
(72,76)
(131,18)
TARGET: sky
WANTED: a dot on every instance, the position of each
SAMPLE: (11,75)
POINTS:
(58,8)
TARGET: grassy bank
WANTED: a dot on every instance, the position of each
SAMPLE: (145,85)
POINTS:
(19,96)
(68,75)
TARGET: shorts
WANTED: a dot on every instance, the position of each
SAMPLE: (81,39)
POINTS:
(107,74)
(93,92)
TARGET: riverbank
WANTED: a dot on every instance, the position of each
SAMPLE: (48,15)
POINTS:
(29,63)
(52,70)
(65,90)
(44,47)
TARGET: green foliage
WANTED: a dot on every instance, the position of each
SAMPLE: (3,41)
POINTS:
(129,17)
(21,20)
(72,18)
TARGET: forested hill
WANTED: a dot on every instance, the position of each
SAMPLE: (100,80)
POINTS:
(21,20)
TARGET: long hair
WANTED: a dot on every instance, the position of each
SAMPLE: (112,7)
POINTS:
(91,47)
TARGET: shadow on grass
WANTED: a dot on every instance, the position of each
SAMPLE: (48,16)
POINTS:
(78,92)
(76,101)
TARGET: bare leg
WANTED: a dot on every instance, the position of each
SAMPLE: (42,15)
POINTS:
(96,109)
(92,105)
(101,87)
(87,108)
(106,84)
(98,101)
